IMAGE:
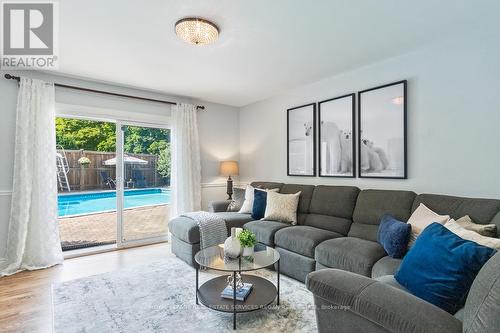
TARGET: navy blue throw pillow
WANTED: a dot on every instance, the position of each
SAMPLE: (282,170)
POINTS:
(259,204)
(440,267)
(393,235)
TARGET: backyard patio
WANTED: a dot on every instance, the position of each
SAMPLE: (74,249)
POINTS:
(100,228)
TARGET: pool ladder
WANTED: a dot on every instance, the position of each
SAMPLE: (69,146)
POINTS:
(62,169)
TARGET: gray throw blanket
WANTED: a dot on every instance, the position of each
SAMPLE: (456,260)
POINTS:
(213,229)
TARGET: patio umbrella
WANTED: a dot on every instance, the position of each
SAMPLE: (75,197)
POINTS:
(126,159)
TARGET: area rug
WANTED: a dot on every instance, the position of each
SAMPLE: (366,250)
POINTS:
(160,297)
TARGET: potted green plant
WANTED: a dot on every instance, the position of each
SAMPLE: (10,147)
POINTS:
(247,241)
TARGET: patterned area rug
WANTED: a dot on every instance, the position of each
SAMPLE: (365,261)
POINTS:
(159,297)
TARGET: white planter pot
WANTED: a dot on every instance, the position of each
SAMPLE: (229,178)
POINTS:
(247,251)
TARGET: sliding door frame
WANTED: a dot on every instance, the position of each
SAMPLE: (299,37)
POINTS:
(120,244)
(120,188)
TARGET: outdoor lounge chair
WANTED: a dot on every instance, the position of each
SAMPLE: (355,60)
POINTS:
(138,178)
(107,180)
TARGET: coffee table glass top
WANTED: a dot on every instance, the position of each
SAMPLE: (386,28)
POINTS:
(213,258)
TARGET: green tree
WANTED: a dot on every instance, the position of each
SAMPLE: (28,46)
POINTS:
(144,140)
(85,134)
(164,160)
(101,136)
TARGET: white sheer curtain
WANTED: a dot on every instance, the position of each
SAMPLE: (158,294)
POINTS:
(33,236)
(186,169)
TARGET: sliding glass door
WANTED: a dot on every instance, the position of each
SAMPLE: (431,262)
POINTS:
(143,183)
(86,174)
(114,182)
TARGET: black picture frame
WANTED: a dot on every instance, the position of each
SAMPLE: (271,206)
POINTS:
(312,135)
(353,135)
(360,139)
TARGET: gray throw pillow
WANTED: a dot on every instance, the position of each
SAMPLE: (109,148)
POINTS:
(488,230)
(238,199)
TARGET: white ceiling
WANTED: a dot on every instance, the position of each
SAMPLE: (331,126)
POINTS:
(265,47)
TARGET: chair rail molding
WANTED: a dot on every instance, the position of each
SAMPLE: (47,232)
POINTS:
(5,192)
(208,185)
(224,184)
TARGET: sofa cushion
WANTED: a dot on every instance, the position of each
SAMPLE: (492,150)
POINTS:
(385,266)
(294,265)
(234,219)
(187,230)
(331,223)
(267,185)
(306,192)
(265,230)
(331,208)
(391,281)
(351,254)
(302,239)
(371,205)
(481,211)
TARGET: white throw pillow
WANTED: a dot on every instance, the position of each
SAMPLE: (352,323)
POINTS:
(247,206)
(421,218)
(461,232)
(282,207)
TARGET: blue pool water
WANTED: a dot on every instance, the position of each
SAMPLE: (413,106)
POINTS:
(87,203)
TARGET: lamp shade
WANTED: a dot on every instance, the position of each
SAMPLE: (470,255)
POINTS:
(228,168)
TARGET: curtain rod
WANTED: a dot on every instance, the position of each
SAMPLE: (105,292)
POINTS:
(17,78)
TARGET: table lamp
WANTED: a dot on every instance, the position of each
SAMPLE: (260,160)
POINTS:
(228,169)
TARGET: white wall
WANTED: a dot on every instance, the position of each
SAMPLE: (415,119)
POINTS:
(218,128)
(453,120)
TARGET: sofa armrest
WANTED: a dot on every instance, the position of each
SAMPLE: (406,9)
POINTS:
(218,206)
(392,309)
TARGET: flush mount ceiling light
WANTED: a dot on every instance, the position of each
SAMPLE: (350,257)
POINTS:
(196,31)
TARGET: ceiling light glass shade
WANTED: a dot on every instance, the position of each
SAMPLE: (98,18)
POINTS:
(196,31)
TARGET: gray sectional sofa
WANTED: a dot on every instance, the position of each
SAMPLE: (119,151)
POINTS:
(337,227)
(334,246)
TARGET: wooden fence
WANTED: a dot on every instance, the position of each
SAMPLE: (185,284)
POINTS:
(90,178)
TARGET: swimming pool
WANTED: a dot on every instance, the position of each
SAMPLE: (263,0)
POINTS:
(95,202)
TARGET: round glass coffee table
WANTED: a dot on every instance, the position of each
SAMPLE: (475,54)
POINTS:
(263,293)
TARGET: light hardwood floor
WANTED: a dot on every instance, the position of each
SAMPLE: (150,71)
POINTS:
(25,298)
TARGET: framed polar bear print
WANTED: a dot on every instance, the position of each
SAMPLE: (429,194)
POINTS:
(301,140)
(382,141)
(336,137)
